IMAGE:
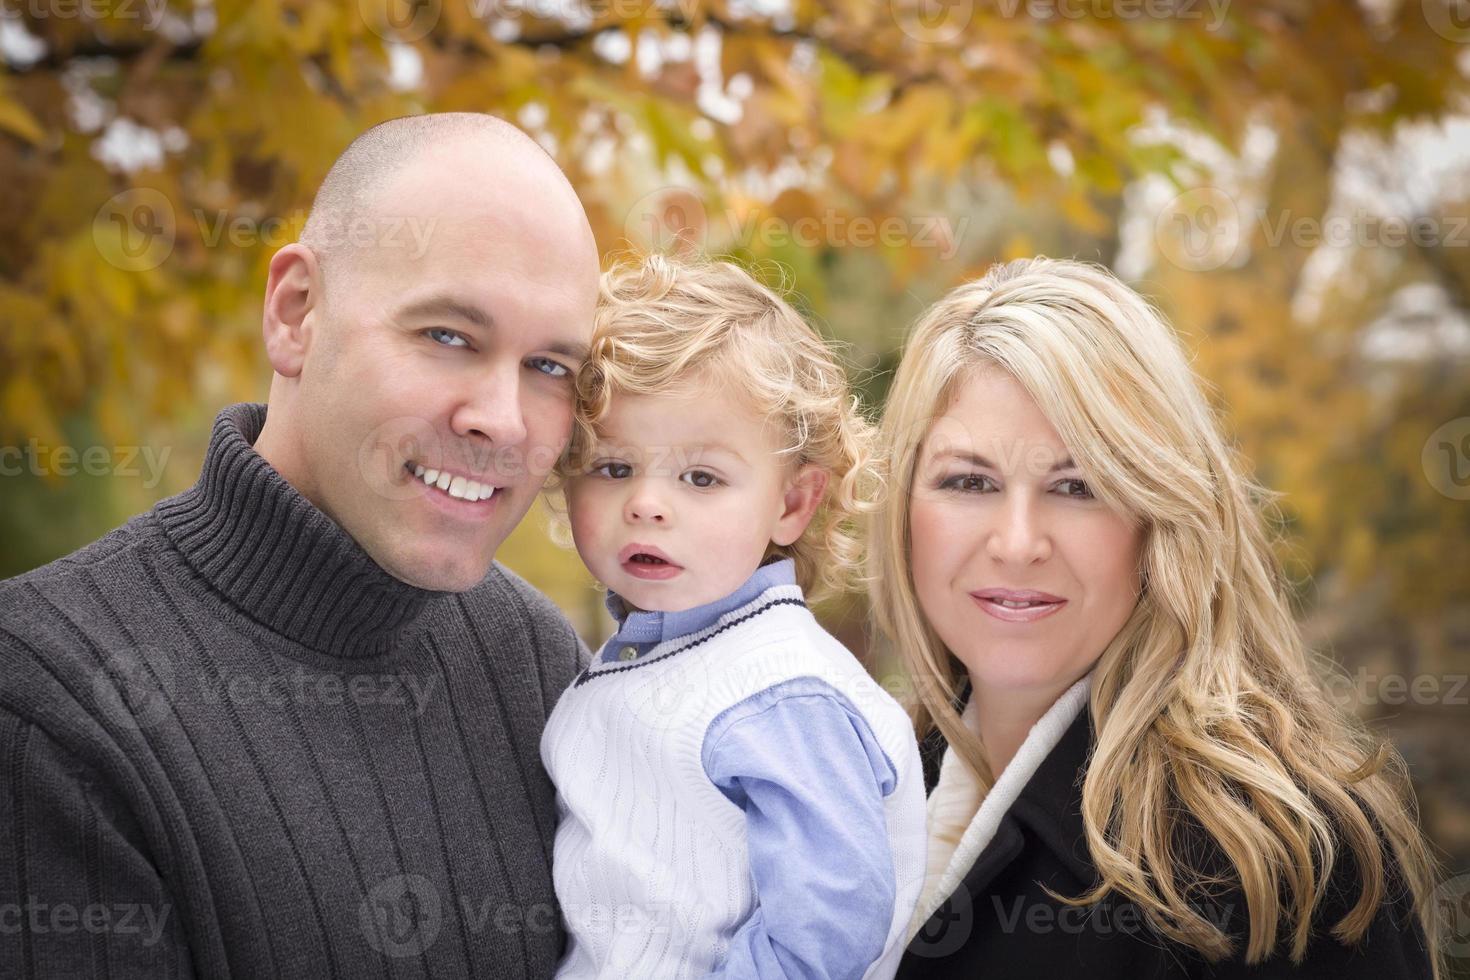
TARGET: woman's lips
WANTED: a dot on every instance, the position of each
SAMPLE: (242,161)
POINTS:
(1017,605)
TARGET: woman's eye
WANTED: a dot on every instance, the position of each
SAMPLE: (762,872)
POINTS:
(446,338)
(700,479)
(614,471)
(968,483)
(550,368)
(1074,488)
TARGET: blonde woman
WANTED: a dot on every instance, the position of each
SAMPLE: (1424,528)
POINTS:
(1138,774)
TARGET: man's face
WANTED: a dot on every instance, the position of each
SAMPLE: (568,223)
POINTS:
(453,352)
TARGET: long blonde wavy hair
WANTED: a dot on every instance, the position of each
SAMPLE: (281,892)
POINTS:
(1206,704)
(679,326)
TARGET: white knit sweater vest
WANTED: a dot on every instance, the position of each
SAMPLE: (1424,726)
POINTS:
(651,867)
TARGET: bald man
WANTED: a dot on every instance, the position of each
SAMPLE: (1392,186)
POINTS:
(286,723)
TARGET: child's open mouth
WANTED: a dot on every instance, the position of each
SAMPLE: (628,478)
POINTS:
(647,563)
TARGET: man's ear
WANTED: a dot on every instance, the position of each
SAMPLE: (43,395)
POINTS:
(292,290)
(804,494)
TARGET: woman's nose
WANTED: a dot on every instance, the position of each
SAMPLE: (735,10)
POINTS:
(1019,536)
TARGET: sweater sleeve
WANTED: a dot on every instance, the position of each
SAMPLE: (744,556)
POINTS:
(810,776)
(78,898)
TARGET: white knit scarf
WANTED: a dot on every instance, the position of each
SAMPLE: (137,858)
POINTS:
(961,824)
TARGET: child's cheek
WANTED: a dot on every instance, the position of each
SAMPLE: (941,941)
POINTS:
(582,512)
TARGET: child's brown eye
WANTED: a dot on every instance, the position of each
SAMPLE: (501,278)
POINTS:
(701,479)
(615,471)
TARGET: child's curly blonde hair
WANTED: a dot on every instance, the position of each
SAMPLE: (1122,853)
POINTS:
(677,326)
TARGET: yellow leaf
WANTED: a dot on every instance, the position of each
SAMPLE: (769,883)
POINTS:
(16,119)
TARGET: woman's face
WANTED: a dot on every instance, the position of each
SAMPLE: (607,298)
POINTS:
(1022,573)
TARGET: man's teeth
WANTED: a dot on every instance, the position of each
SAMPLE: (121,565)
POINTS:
(456,486)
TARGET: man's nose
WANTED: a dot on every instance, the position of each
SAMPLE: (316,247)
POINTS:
(493,409)
(1019,535)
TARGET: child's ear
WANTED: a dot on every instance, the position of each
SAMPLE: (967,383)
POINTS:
(804,494)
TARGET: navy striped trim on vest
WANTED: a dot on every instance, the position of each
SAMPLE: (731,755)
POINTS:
(588,673)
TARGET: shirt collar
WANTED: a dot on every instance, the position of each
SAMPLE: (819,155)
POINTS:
(660,627)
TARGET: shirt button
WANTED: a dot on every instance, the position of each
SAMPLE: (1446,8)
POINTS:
(628,652)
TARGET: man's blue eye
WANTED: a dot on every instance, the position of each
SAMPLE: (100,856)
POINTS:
(550,368)
(454,339)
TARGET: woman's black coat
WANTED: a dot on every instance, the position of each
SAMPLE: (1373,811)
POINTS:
(1001,925)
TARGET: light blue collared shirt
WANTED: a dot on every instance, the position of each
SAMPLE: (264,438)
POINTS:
(644,630)
(810,776)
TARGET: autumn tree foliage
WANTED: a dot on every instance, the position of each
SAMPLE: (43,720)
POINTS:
(156,152)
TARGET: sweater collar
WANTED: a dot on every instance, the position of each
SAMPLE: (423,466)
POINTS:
(277,558)
(660,627)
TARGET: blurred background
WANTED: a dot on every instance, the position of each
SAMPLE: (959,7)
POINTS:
(1288,180)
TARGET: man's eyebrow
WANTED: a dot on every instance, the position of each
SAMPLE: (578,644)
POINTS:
(975,459)
(447,307)
(578,351)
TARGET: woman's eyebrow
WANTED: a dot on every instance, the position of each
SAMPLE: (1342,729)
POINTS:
(965,456)
(975,459)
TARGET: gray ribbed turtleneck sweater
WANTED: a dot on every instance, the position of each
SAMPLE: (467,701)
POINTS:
(231,745)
